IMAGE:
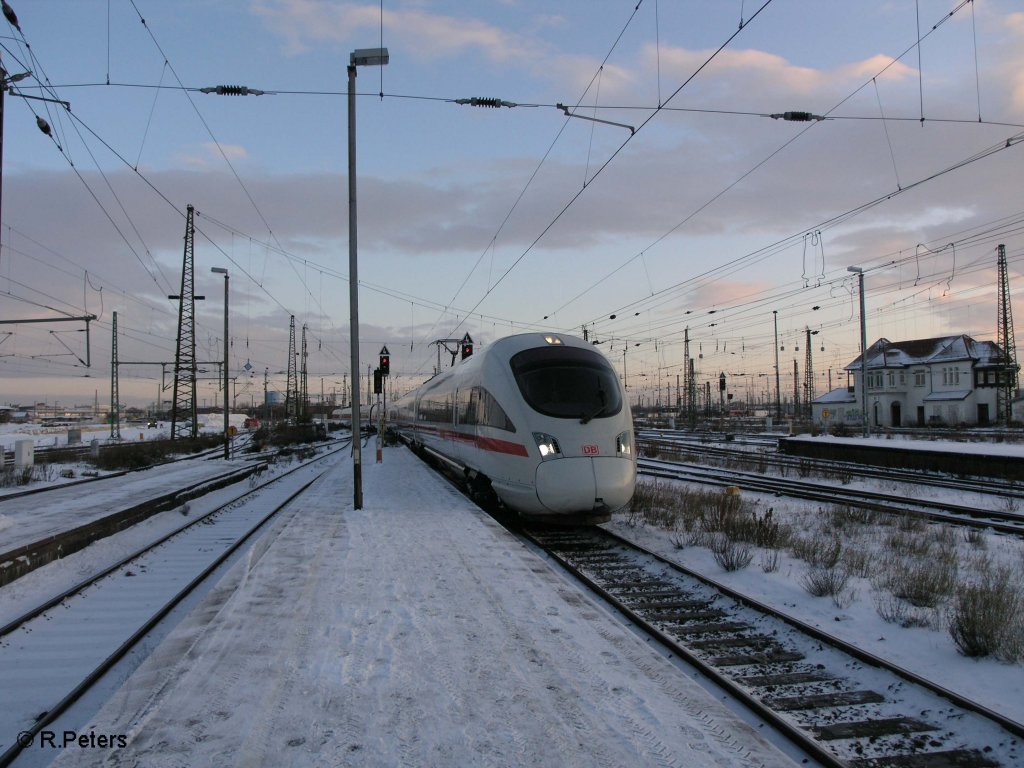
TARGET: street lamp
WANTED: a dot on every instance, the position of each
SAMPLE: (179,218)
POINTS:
(865,428)
(361,57)
(227,433)
(778,398)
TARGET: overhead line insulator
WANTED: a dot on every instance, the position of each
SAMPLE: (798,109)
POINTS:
(232,90)
(479,101)
(796,117)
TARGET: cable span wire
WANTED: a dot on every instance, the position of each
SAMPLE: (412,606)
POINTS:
(761,163)
(608,161)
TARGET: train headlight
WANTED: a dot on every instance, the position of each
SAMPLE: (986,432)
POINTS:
(547,445)
(624,444)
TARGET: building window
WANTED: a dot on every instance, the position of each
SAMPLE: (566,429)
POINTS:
(919,378)
(892,379)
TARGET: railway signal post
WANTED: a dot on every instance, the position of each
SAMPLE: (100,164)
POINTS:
(380,387)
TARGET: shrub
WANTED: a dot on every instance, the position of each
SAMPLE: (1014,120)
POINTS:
(730,554)
(281,435)
(913,546)
(149,452)
(987,617)
(770,561)
(924,583)
(893,610)
(819,550)
(975,537)
(842,515)
(827,580)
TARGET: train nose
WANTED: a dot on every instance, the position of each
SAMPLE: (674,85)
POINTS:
(581,484)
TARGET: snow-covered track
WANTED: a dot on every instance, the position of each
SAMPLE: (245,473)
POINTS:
(670,447)
(53,655)
(840,705)
(934,510)
(28,555)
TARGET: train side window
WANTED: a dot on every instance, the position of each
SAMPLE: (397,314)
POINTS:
(436,407)
(489,413)
(477,406)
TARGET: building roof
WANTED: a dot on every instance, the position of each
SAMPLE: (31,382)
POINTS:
(903,354)
(960,394)
(836,396)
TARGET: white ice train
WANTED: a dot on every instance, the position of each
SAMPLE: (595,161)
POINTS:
(539,420)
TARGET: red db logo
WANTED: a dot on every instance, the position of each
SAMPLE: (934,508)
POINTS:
(591,450)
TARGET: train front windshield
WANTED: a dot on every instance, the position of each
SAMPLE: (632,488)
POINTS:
(567,382)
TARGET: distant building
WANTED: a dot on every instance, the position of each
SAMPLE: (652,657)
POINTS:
(926,382)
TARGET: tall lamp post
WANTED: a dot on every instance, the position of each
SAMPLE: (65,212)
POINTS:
(865,428)
(778,396)
(227,433)
(361,57)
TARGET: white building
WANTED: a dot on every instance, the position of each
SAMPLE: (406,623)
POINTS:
(926,382)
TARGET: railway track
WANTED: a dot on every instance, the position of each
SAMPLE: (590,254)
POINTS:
(239,444)
(766,458)
(91,627)
(935,510)
(840,705)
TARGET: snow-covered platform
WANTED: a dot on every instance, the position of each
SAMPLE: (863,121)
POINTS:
(28,519)
(36,529)
(415,631)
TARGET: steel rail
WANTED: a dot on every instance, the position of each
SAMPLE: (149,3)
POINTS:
(792,731)
(959,700)
(108,663)
(968,517)
(89,580)
(803,463)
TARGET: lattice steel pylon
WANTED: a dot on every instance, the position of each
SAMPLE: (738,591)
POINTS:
(1004,322)
(115,389)
(808,377)
(689,383)
(303,379)
(691,395)
(796,390)
(292,386)
(184,416)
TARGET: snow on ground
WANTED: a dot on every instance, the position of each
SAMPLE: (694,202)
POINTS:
(929,652)
(415,631)
(890,440)
(60,575)
(53,436)
(25,520)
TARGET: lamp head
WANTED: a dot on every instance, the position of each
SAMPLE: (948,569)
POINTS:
(369,57)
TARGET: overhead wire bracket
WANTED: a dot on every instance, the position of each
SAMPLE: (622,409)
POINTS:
(565,109)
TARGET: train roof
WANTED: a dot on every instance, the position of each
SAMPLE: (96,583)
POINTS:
(509,345)
(506,347)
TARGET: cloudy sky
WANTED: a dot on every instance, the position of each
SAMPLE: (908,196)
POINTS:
(670,199)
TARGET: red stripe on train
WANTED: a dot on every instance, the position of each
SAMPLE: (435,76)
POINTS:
(483,443)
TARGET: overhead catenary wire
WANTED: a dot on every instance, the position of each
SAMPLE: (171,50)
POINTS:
(607,162)
(461,311)
(831,222)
